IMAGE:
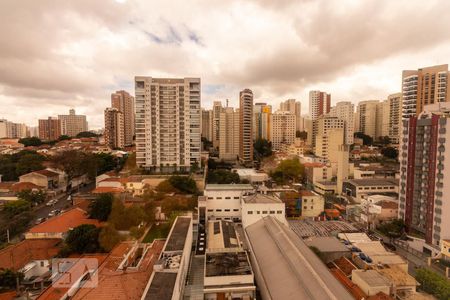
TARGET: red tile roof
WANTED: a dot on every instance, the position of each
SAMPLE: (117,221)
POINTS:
(21,186)
(65,222)
(306,193)
(106,189)
(313,165)
(46,173)
(18,255)
(116,179)
(6,185)
(333,213)
(8,295)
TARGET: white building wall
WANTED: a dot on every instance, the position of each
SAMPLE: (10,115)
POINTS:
(253,212)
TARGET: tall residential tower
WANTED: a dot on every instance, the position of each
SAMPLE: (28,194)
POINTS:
(246,126)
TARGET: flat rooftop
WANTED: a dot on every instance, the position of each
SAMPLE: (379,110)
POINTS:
(178,234)
(373,182)
(308,228)
(162,286)
(227,264)
(226,187)
(326,244)
(261,199)
(372,278)
(289,269)
(221,234)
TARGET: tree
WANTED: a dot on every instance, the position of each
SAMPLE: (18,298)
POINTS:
(14,208)
(86,134)
(83,239)
(367,140)
(8,278)
(301,134)
(222,177)
(109,237)
(392,229)
(195,167)
(165,187)
(384,140)
(64,138)
(184,184)
(262,148)
(30,141)
(390,152)
(32,196)
(288,170)
(100,208)
(123,218)
(433,283)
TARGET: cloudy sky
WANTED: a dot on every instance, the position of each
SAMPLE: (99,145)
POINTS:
(57,55)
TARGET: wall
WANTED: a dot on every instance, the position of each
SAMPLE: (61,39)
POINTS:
(278,209)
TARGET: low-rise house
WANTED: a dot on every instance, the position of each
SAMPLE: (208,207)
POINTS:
(58,227)
(371,282)
(253,176)
(257,206)
(312,204)
(359,189)
(43,178)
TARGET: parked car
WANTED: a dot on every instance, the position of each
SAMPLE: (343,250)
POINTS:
(38,221)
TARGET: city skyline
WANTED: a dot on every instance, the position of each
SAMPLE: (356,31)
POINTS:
(363,65)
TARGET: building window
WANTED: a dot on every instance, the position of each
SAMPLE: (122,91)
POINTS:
(258,212)
(272,212)
(227,210)
(235,209)
(236,198)
(227,197)
(210,198)
(210,210)
(219,198)
(279,212)
(218,210)
(305,207)
(264,212)
(250,212)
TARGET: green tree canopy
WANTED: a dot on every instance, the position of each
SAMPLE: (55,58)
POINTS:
(123,218)
(14,208)
(222,177)
(289,170)
(86,134)
(301,134)
(83,239)
(390,152)
(32,196)
(100,208)
(9,277)
(15,165)
(109,237)
(367,140)
(392,229)
(433,283)
(184,184)
(30,141)
(262,148)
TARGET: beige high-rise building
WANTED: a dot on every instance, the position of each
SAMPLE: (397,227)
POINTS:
(72,124)
(319,104)
(328,142)
(168,123)
(207,124)
(382,122)
(283,129)
(124,102)
(294,107)
(246,126)
(49,129)
(422,87)
(13,130)
(345,110)
(261,121)
(366,117)
(229,134)
(114,128)
(323,124)
(395,117)
(216,111)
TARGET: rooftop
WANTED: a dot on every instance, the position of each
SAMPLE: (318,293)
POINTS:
(162,286)
(326,244)
(21,186)
(372,278)
(261,199)
(373,181)
(107,189)
(225,187)
(64,222)
(227,264)
(308,228)
(397,276)
(221,234)
(307,193)
(289,269)
(46,173)
(177,236)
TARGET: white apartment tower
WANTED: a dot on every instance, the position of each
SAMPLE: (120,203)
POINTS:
(114,130)
(294,107)
(207,124)
(168,121)
(366,117)
(217,109)
(246,126)
(124,102)
(72,124)
(323,124)
(283,129)
(229,134)
(345,110)
(319,104)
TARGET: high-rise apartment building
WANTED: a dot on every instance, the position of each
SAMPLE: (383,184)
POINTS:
(294,107)
(382,121)
(319,104)
(366,117)
(283,129)
(216,111)
(261,121)
(207,124)
(424,176)
(423,87)
(395,117)
(124,102)
(323,124)
(72,124)
(229,134)
(168,121)
(13,130)
(114,129)
(345,110)
(329,142)
(49,129)
(246,126)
